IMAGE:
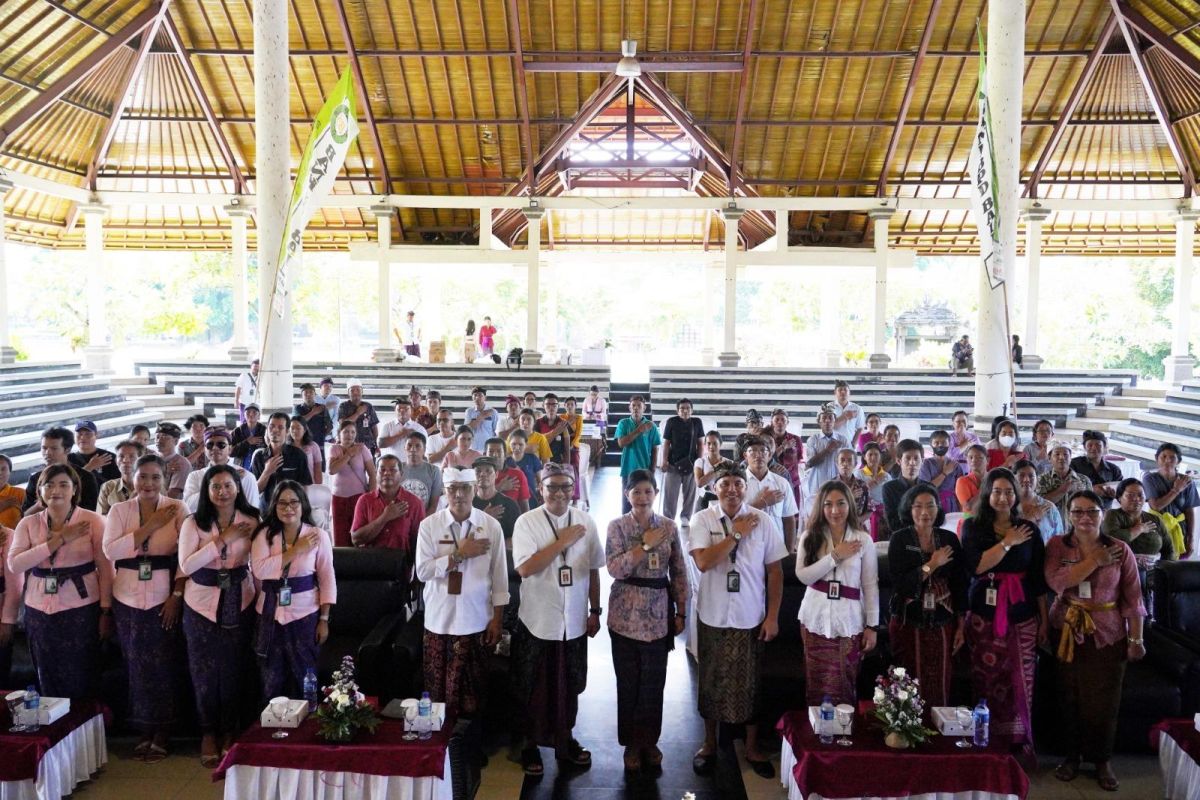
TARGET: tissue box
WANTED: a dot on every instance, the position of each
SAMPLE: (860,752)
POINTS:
(297,710)
(435,720)
(814,719)
(1196,722)
(50,709)
(946,721)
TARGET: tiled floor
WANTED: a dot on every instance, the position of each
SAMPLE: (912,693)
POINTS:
(181,775)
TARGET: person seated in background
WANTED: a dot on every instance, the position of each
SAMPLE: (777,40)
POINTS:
(56,447)
(941,472)
(966,488)
(217,443)
(87,456)
(962,356)
(277,460)
(175,467)
(510,480)
(1104,475)
(248,436)
(192,447)
(872,433)
(1004,449)
(389,516)
(961,437)
(120,489)
(419,476)
(529,464)
(1036,452)
(299,437)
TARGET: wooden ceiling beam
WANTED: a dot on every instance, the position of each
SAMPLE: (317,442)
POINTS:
(193,79)
(906,101)
(76,74)
(647,64)
(121,102)
(657,93)
(1158,38)
(600,100)
(743,97)
(1157,102)
(364,99)
(1060,127)
(514,32)
(717,56)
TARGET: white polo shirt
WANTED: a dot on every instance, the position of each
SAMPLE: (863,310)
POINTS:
(484,580)
(847,428)
(717,607)
(249,386)
(550,611)
(785,507)
(391,428)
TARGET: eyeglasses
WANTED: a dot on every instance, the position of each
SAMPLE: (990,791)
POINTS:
(551,488)
(459,488)
(288,504)
(1084,512)
(215,445)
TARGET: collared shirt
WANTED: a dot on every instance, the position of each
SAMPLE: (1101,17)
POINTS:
(199,549)
(400,533)
(125,518)
(780,511)
(550,611)
(827,469)
(393,427)
(28,549)
(762,547)
(1052,480)
(115,491)
(249,386)
(537,444)
(1107,472)
(362,428)
(487,425)
(436,442)
(195,479)
(1116,583)
(855,423)
(266,562)
(640,612)
(484,578)
(830,618)
(637,454)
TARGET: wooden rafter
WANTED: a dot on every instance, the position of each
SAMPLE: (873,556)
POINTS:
(364,99)
(189,73)
(514,32)
(1060,127)
(1158,38)
(1157,102)
(657,93)
(67,82)
(909,90)
(743,97)
(122,100)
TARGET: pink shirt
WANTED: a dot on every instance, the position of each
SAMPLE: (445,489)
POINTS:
(199,549)
(14,582)
(313,451)
(29,550)
(123,520)
(351,479)
(1116,583)
(456,459)
(266,562)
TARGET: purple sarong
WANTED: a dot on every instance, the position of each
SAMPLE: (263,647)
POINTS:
(221,669)
(66,651)
(154,659)
(293,650)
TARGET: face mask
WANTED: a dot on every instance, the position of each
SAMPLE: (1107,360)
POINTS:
(1007,441)
(941,451)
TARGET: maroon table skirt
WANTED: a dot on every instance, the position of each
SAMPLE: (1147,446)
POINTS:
(871,768)
(1183,731)
(20,753)
(383,752)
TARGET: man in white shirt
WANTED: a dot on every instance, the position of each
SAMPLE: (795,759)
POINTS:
(331,401)
(770,492)
(245,390)
(822,450)
(461,560)
(557,552)
(737,549)
(481,419)
(848,418)
(511,421)
(444,440)
(217,448)
(395,432)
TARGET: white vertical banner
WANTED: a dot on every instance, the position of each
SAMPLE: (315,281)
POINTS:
(981,167)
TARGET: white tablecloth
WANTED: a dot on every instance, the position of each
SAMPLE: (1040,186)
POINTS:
(70,762)
(264,783)
(787,761)
(1180,772)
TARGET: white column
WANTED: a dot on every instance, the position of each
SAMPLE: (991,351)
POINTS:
(532,284)
(707,276)
(240,350)
(8,353)
(383,235)
(729,356)
(1006,59)
(1034,217)
(1180,363)
(485,228)
(831,321)
(879,221)
(98,353)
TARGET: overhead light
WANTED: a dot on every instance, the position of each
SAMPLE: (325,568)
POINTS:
(628,66)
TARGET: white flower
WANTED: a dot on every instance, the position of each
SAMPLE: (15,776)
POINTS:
(878,695)
(899,672)
(902,695)
(343,702)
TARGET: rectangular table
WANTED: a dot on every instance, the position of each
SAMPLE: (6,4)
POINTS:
(1178,750)
(49,763)
(937,769)
(379,766)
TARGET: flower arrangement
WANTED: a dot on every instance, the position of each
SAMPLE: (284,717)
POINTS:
(344,709)
(898,705)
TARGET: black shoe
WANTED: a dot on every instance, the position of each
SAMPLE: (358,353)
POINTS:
(763,769)
(704,764)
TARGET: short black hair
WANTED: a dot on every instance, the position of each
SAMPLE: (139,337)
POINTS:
(279,415)
(420,437)
(63,435)
(908,446)
(1165,446)
(906,504)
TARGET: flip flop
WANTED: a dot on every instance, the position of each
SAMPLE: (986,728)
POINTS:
(576,755)
(210,762)
(531,762)
(155,754)
(142,748)
(1067,770)
(763,769)
(704,763)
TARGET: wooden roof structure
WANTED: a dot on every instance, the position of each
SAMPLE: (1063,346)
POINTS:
(792,98)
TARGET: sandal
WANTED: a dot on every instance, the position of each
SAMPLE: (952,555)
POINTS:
(633,760)
(155,753)
(143,747)
(210,761)
(704,763)
(1107,780)
(652,756)
(763,769)
(531,761)
(1067,770)
(575,755)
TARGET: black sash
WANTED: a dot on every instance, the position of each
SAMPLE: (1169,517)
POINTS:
(156,562)
(270,595)
(229,606)
(73,574)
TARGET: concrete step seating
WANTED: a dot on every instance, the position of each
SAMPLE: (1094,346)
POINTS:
(36,396)
(1174,418)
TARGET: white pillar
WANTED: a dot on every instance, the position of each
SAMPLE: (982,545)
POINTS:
(8,354)
(880,217)
(707,275)
(97,355)
(1179,364)
(1033,268)
(240,350)
(272,179)
(729,356)
(485,228)
(383,235)
(1005,64)
(533,215)
(831,323)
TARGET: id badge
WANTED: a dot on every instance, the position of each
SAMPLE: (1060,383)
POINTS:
(454,582)
(224,582)
(834,592)
(990,597)
(145,571)
(564,576)
(285,595)
(928,601)
(1085,590)
(733,582)
(653,561)
(51,584)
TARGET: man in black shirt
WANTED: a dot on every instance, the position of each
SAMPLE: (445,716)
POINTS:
(56,447)
(683,442)
(277,461)
(909,455)
(101,463)
(488,498)
(1104,475)
(247,437)
(316,417)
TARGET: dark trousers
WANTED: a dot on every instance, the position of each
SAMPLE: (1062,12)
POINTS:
(1089,696)
(641,669)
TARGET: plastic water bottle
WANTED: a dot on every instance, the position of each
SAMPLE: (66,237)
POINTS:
(425,712)
(33,702)
(825,731)
(982,720)
(310,689)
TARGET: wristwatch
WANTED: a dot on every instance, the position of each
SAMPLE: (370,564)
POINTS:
(1005,545)
(737,537)
(597,611)
(926,569)
(646,548)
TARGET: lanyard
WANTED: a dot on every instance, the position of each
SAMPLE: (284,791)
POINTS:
(466,526)
(736,545)
(66,522)
(554,530)
(141,522)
